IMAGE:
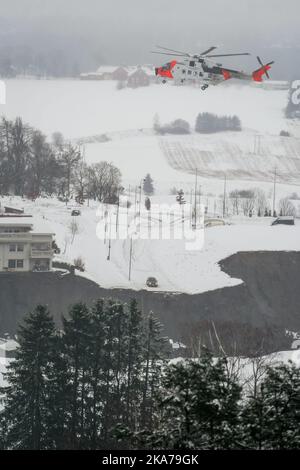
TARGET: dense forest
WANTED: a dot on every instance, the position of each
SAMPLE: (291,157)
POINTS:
(104,380)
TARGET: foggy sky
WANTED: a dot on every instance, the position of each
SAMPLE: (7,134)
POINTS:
(125,31)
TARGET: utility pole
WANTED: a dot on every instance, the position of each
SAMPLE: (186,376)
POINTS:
(191,208)
(109,241)
(274,191)
(118,208)
(195,209)
(224,197)
(199,197)
(130,259)
(128,203)
(135,197)
(140,199)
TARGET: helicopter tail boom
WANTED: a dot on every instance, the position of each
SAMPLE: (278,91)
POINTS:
(263,70)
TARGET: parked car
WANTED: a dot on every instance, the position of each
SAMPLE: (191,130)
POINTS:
(284,220)
(75,212)
(152,282)
(213,222)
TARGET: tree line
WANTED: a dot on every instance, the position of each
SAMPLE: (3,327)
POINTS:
(22,60)
(206,123)
(104,380)
(31,166)
(250,201)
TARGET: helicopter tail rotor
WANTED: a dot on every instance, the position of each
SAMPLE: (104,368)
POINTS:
(263,70)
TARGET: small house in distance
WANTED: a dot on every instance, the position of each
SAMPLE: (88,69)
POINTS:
(134,76)
(107,72)
(8,348)
(140,77)
(25,245)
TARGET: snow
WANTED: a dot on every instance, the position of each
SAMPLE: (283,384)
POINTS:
(37,224)
(79,108)
(9,345)
(86,111)
(176,268)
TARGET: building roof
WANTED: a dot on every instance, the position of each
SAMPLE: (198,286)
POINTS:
(107,68)
(9,220)
(9,345)
(38,225)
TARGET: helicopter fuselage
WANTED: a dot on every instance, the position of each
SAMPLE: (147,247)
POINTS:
(202,72)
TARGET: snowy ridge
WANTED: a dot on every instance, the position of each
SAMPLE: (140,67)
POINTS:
(113,136)
(176,268)
(242,155)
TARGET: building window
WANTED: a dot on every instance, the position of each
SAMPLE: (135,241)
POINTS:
(189,72)
(12,247)
(41,265)
(12,263)
(20,247)
(41,246)
(20,264)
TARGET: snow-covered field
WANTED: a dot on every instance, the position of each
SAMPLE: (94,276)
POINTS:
(85,110)
(176,268)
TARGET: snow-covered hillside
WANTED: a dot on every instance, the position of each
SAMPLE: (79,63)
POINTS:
(93,112)
(239,155)
(83,108)
(177,268)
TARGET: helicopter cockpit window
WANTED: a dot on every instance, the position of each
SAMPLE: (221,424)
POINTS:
(166,67)
(192,63)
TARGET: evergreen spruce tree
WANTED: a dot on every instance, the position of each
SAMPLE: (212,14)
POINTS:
(59,394)
(96,373)
(147,203)
(198,407)
(27,402)
(76,345)
(271,419)
(148,187)
(3,431)
(134,364)
(155,354)
(113,364)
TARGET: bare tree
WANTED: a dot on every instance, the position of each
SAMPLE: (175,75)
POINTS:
(286,207)
(261,202)
(74,229)
(235,199)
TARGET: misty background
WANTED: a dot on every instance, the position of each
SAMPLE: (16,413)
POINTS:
(66,37)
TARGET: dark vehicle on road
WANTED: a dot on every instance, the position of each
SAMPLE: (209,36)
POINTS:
(284,220)
(75,212)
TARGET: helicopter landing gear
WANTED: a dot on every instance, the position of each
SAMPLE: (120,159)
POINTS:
(204,87)
(164,81)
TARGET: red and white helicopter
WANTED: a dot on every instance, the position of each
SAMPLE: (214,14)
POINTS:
(200,68)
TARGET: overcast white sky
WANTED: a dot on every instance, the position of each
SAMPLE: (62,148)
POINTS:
(124,31)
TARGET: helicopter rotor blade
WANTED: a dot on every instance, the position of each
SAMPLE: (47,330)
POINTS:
(228,55)
(173,50)
(168,53)
(208,50)
(261,63)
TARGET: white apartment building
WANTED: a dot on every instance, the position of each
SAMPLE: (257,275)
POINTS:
(24,246)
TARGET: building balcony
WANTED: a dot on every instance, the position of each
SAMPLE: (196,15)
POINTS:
(15,236)
(41,253)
